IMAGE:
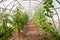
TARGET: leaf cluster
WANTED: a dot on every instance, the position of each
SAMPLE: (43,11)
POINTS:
(41,20)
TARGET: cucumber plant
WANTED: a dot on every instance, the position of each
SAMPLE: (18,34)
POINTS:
(41,15)
(19,19)
(5,30)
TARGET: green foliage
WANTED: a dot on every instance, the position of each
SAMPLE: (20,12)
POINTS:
(5,30)
(19,19)
(41,20)
(47,5)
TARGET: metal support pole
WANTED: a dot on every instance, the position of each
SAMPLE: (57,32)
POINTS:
(58,20)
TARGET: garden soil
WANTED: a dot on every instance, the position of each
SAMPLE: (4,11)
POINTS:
(31,32)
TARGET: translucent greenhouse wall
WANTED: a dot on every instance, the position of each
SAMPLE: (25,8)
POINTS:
(56,15)
(30,6)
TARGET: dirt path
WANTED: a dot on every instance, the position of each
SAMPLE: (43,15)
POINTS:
(31,32)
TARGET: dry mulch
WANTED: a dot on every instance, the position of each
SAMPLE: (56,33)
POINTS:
(31,32)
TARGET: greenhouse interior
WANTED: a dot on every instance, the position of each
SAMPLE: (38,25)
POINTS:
(29,20)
